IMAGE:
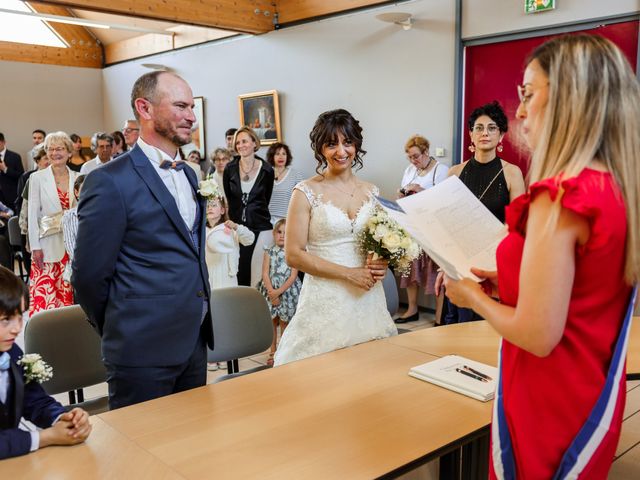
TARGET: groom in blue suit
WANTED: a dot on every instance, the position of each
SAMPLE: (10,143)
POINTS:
(139,270)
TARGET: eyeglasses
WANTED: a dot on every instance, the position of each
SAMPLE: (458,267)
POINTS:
(491,129)
(130,130)
(415,156)
(56,149)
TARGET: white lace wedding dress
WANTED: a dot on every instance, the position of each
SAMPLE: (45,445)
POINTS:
(333,314)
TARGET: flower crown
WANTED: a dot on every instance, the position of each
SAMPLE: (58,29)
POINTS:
(209,189)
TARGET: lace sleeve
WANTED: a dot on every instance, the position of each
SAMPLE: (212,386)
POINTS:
(312,197)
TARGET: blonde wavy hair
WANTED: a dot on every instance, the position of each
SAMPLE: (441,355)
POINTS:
(593,112)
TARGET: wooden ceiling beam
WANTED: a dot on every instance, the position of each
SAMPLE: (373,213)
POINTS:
(234,15)
(297,10)
(83,48)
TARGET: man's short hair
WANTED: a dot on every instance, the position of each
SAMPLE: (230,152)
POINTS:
(145,87)
(100,136)
(37,130)
(1,137)
(231,131)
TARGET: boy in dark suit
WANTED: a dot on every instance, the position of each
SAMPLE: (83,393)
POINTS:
(19,398)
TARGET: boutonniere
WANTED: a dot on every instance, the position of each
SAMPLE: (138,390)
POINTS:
(35,368)
(208,188)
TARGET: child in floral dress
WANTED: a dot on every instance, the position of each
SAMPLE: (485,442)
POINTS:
(280,285)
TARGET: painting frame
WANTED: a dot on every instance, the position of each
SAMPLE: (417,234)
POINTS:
(199,137)
(261,112)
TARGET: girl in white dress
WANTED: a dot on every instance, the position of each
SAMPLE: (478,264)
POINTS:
(342,301)
(223,244)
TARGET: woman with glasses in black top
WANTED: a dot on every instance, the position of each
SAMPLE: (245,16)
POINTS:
(493,180)
(248,183)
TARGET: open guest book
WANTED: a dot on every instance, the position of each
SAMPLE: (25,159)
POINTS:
(455,229)
(468,377)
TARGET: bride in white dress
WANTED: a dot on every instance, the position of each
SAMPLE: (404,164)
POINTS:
(342,301)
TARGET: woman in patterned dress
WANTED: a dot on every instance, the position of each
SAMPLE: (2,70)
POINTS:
(50,193)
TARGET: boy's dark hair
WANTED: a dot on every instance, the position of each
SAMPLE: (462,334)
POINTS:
(38,130)
(12,292)
(79,181)
(230,131)
(492,110)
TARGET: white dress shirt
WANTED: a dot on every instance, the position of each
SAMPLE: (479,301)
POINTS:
(91,165)
(176,182)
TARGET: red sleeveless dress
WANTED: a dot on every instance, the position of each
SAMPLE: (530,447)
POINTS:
(547,400)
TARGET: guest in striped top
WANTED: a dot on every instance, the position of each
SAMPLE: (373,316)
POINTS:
(279,157)
(70,227)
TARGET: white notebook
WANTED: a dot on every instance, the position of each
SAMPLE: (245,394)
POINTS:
(468,377)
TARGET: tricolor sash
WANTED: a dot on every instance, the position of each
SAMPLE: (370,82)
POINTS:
(588,439)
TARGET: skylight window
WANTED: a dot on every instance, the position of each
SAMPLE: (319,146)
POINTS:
(21,29)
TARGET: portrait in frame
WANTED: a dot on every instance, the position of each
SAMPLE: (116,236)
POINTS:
(261,112)
(198,136)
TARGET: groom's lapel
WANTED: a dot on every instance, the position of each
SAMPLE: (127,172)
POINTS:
(158,189)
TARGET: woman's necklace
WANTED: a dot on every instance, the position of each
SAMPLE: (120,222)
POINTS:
(279,172)
(246,177)
(60,180)
(350,194)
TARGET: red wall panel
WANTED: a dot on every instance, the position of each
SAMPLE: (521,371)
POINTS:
(492,72)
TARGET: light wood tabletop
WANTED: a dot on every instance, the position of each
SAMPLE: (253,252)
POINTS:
(107,454)
(479,341)
(353,413)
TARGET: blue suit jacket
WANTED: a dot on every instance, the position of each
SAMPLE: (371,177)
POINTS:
(23,400)
(136,271)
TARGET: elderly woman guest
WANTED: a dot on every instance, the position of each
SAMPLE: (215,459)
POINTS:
(77,158)
(423,172)
(566,268)
(220,157)
(248,183)
(494,181)
(279,157)
(50,193)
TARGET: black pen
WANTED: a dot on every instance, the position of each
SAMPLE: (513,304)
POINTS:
(476,377)
(480,374)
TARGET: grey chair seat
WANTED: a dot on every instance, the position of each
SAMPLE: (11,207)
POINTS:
(241,326)
(66,341)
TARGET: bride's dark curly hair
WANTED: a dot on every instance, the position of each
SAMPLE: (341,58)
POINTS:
(326,130)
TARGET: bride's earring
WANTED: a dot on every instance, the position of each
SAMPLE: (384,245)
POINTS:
(499,148)
(472,148)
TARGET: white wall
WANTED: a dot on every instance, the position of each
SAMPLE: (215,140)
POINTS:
(488,17)
(395,82)
(48,97)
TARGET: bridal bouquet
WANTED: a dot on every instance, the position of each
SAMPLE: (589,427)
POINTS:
(209,189)
(35,369)
(385,238)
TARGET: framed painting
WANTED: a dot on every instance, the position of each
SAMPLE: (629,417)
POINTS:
(198,136)
(261,112)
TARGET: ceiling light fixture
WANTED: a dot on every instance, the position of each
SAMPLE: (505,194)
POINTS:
(85,23)
(405,20)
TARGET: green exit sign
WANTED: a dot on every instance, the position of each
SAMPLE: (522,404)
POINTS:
(535,6)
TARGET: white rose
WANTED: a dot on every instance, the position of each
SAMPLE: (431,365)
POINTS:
(391,241)
(380,232)
(405,243)
(208,188)
(37,368)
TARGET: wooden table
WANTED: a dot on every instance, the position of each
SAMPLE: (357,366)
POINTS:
(354,413)
(107,454)
(479,341)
